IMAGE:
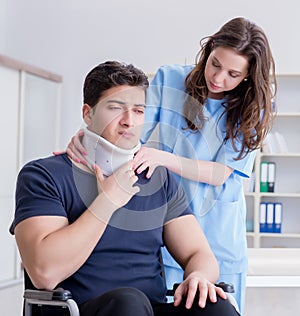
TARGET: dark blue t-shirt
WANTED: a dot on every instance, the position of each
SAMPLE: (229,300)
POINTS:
(127,255)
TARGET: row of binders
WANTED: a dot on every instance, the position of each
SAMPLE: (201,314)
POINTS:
(267,176)
(270,217)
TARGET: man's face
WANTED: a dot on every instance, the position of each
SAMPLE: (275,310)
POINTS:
(119,116)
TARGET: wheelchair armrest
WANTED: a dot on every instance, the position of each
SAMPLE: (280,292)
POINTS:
(227,287)
(57,297)
(58,294)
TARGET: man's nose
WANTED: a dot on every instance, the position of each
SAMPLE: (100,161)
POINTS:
(127,118)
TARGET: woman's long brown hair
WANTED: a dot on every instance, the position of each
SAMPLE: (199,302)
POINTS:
(248,107)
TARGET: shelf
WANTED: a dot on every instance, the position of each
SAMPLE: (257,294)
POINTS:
(281,155)
(281,235)
(282,147)
(280,195)
(273,235)
(272,195)
(287,114)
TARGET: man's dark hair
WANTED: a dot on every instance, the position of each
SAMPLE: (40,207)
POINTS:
(108,75)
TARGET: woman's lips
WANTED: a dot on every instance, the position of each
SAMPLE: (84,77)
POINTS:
(214,86)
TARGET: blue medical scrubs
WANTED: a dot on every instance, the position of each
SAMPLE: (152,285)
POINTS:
(220,210)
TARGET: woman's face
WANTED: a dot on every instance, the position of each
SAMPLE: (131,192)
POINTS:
(224,70)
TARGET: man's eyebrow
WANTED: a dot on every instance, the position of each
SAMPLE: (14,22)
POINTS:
(124,103)
(141,105)
(115,101)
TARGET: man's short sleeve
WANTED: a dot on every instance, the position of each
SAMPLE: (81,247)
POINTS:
(36,194)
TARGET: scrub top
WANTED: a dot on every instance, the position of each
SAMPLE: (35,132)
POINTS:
(220,210)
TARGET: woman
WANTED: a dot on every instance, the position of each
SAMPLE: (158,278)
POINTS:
(212,118)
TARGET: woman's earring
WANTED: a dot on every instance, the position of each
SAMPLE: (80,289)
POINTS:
(245,79)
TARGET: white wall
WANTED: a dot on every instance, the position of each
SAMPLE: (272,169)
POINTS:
(2,24)
(70,37)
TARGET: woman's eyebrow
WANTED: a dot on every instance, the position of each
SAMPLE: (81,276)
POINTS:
(238,72)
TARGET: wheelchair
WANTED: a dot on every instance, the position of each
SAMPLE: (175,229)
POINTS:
(63,298)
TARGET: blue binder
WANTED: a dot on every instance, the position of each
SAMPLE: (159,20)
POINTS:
(277,217)
(270,217)
(263,217)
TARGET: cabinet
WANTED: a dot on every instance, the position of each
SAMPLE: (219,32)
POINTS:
(8,167)
(29,101)
(287,182)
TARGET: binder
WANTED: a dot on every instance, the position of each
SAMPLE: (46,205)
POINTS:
(271,176)
(264,176)
(263,217)
(277,217)
(270,217)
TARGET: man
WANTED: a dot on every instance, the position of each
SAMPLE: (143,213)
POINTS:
(97,230)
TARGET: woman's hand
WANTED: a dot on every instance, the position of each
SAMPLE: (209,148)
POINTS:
(148,158)
(193,284)
(75,149)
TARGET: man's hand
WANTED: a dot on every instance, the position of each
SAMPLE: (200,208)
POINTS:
(120,186)
(194,284)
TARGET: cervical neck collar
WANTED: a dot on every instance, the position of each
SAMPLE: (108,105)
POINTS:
(106,155)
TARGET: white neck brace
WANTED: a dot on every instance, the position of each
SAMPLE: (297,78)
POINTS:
(106,155)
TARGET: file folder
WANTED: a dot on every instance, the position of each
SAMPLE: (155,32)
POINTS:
(264,177)
(263,217)
(270,217)
(277,217)
(271,176)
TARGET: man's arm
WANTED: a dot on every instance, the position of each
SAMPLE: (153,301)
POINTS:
(52,250)
(186,242)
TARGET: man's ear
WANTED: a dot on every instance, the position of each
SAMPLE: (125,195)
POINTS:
(86,113)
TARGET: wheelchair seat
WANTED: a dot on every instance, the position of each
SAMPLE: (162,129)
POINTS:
(63,298)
